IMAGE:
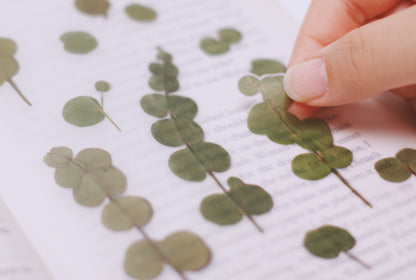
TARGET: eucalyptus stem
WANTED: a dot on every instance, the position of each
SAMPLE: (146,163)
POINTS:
(351,256)
(109,118)
(16,88)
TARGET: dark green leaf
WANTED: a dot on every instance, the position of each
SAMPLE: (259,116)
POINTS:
(7,47)
(392,170)
(82,111)
(337,157)
(256,118)
(212,156)
(69,176)
(176,132)
(142,261)
(93,158)
(280,127)
(328,241)
(93,7)
(309,167)
(58,157)
(267,66)
(102,86)
(141,13)
(273,92)
(220,209)
(79,42)
(185,165)
(126,212)
(229,35)
(249,85)
(213,47)
(155,105)
(314,135)
(182,107)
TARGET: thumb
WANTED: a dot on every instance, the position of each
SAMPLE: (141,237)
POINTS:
(367,61)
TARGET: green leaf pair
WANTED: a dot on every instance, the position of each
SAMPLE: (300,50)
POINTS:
(227,37)
(262,67)
(158,105)
(242,199)
(398,169)
(164,74)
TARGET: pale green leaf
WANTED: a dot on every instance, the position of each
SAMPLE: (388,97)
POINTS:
(256,118)
(249,85)
(166,69)
(93,7)
(220,209)
(155,105)
(79,42)
(229,35)
(8,68)
(162,83)
(82,111)
(273,92)
(93,158)
(337,157)
(212,156)
(69,176)
(185,165)
(176,132)
(407,157)
(392,170)
(142,261)
(102,86)
(309,167)
(182,107)
(280,127)
(8,47)
(314,135)
(58,157)
(213,47)
(267,66)
(140,13)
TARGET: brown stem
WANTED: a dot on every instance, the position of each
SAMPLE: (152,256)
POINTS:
(16,88)
(351,256)
(411,170)
(108,117)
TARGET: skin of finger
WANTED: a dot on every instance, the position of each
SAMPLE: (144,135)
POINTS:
(322,27)
(376,57)
(406,92)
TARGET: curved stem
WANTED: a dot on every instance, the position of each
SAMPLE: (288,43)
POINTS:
(351,256)
(108,117)
(16,88)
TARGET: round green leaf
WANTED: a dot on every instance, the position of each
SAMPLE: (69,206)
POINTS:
(162,83)
(390,169)
(185,165)
(126,212)
(165,69)
(58,157)
(182,107)
(93,158)
(212,156)
(93,7)
(164,56)
(309,167)
(185,251)
(273,92)
(249,85)
(142,261)
(69,176)
(337,157)
(140,13)
(253,199)
(79,42)
(102,86)
(407,157)
(314,135)
(229,35)
(8,68)
(267,66)
(155,105)
(328,241)
(176,132)
(82,111)
(213,47)
(280,127)
(97,185)
(8,47)
(256,118)
(220,209)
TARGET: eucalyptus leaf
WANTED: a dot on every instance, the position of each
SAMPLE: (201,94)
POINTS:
(163,83)
(267,66)
(328,241)
(142,261)
(185,165)
(220,209)
(78,42)
(314,135)
(229,35)
(280,127)
(58,157)
(125,212)
(82,111)
(213,47)
(93,158)
(140,13)
(166,69)
(249,85)
(7,47)
(407,157)
(176,132)
(183,107)
(102,86)
(69,176)
(273,92)
(212,156)
(8,68)
(164,56)
(309,167)
(256,118)
(93,7)
(155,105)
(337,157)
(392,170)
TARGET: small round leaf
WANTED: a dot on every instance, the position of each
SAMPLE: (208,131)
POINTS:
(8,68)
(407,157)
(102,86)
(8,47)
(93,158)
(280,127)
(183,107)
(273,92)
(166,69)
(314,135)
(185,165)
(212,156)
(79,42)
(142,261)
(309,167)
(140,13)
(249,85)
(256,118)
(93,7)
(162,83)
(176,132)
(58,157)
(267,66)
(220,209)
(155,105)
(390,169)
(229,35)
(69,176)
(82,111)
(213,47)
(337,157)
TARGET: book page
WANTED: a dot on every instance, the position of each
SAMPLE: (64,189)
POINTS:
(71,239)
(17,258)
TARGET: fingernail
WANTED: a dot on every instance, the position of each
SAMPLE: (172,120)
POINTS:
(307,80)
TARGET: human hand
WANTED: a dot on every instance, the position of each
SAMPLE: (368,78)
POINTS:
(351,50)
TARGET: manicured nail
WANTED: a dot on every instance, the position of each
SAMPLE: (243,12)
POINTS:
(307,80)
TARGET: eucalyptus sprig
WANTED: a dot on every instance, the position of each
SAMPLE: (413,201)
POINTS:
(226,37)
(399,168)
(329,241)
(9,65)
(198,159)
(271,118)
(87,111)
(93,179)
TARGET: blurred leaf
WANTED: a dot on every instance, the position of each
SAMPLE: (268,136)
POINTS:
(273,92)
(253,199)
(93,158)
(162,83)
(213,47)
(328,241)
(82,111)
(69,176)
(126,212)
(185,165)
(140,13)
(102,86)
(314,135)
(142,261)
(229,35)
(267,66)
(407,157)
(182,107)
(8,68)
(58,157)
(392,170)
(309,167)
(220,209)
(166,69)
(79,42)
(164,56)
(249,85)
(256,118)
(155,105)
(280,127)
(337,157)
(97,185)
(176,132)
(7,47)
(93,7)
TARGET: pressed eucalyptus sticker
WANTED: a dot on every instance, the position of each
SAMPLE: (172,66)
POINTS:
(93,180)
(9,65)
(141,13)
(329,242)
(272,119)
(399,168)
(198,159)
(78,42)
(93,7)
(85,111)
(262,67)
(226,37)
